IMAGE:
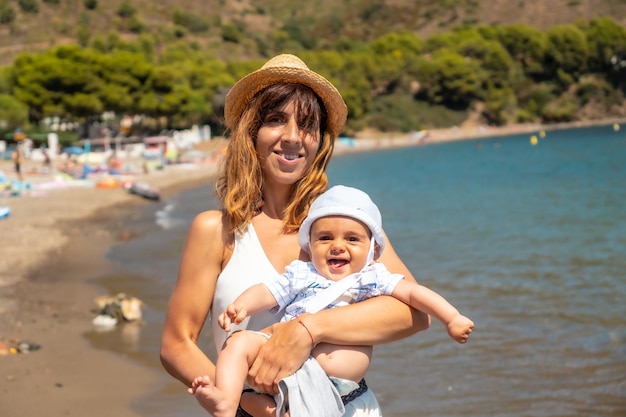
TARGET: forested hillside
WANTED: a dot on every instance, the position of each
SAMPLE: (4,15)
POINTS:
(400,65)
(252,28)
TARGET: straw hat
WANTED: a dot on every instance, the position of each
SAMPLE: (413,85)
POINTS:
(290,69)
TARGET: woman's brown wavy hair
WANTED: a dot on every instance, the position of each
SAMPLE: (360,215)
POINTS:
(239,184)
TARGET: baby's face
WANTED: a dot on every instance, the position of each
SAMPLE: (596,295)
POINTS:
(339,246)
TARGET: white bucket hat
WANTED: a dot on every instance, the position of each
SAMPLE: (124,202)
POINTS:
(286,68)
(343,201)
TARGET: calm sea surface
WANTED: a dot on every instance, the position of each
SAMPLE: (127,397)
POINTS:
(529,241)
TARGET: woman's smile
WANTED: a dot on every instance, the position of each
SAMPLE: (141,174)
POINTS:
(288,156)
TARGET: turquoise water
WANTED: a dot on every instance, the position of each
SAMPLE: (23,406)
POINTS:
(529,241)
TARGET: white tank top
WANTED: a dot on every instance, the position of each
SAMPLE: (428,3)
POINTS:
(247,266)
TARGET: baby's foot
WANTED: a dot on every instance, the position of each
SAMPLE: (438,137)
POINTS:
(211,398)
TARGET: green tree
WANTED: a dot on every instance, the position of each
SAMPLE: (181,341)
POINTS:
(90,4)
(83,34)
(525,45)
(194,23)
(606,39)
(500,105)
(495,62)
(295,31)
(347,73)
(450,40)
(560,110)
(126,9)
(399,43)
(394,113)
(395,58)
(450,79)
(164,92)
(29,6)
(41,81)
(7,13)
(13,113)
(231,33)
(567,50)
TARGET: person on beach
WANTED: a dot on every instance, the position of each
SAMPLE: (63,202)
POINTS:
(343,236)
(18,160)
(284,120)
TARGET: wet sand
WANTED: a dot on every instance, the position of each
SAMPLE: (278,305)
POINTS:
(52,246)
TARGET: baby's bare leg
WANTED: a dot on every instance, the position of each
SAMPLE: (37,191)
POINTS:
(222,398)
(348,362)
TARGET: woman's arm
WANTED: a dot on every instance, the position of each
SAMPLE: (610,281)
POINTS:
(375,321)
(191,300)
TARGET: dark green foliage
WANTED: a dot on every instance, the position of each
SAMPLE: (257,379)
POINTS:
(395,82)
(194,23)
(90,4)
(135,25)
(295,32)
(526,45)
(561,110)
(606,39)
(13,112)
(394,113)
(231,33)
(500,105)
(567,51)
(29,6)
(83,34)
(126,9)
(7,13)
(450,79)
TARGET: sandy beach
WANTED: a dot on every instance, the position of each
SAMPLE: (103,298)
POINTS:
(53,244)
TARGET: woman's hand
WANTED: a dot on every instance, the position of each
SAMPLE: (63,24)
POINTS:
(280,356)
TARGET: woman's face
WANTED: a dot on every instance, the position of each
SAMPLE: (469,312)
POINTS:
(285,149)
(339,246)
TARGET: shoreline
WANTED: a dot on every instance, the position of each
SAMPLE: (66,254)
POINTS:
(50,258)
(54,250)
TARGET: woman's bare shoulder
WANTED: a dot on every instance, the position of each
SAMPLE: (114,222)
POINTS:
(211,225)
(208,220)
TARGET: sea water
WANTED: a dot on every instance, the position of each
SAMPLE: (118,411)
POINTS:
(527,240)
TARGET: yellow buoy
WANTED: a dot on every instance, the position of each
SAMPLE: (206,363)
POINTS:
(533,140)
(616,127)
(542,133)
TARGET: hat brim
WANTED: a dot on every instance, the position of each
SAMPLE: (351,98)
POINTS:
(246,88)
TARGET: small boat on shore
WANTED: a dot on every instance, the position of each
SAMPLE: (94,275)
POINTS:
(144,190)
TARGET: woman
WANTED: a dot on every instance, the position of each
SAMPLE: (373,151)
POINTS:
(284,119)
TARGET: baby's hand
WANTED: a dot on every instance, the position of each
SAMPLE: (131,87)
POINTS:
(460,328)
(234,313)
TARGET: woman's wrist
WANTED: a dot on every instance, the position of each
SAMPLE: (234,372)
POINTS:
(308,331)
(307,322)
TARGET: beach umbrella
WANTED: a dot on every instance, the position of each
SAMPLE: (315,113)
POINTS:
(74,150)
